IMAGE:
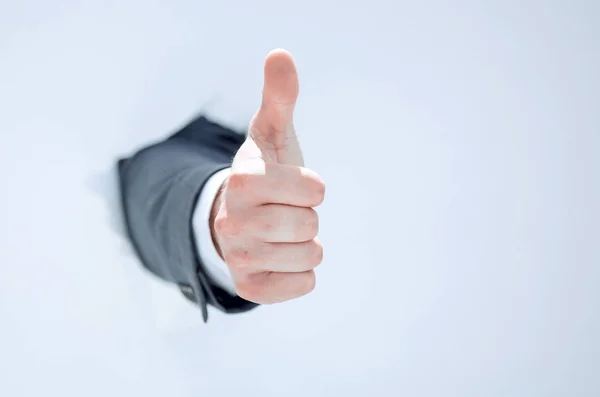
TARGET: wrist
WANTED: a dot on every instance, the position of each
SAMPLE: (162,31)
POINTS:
(213,215)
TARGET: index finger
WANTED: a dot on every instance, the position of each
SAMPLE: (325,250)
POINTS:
(268,183)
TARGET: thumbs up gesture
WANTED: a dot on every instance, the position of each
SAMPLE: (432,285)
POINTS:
(263,222)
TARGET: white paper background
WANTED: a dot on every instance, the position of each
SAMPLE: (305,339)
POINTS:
(459,141)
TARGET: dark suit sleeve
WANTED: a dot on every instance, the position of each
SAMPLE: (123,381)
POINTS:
(160,186)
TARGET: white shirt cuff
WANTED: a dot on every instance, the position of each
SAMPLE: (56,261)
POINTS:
(214,265)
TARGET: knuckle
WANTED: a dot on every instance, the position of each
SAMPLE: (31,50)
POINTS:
(221,224)
(227,226)
(238,182)
(249,291)
(261,223)
(239,259)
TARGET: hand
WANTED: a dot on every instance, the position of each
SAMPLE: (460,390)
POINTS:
(263,223)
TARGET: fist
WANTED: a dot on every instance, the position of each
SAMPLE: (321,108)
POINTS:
(263,224)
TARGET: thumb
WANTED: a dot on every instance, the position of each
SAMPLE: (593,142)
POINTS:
(272,127)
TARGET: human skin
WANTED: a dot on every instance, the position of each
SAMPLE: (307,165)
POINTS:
(263,223)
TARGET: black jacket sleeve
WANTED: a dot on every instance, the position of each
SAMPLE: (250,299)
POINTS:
(160,185)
